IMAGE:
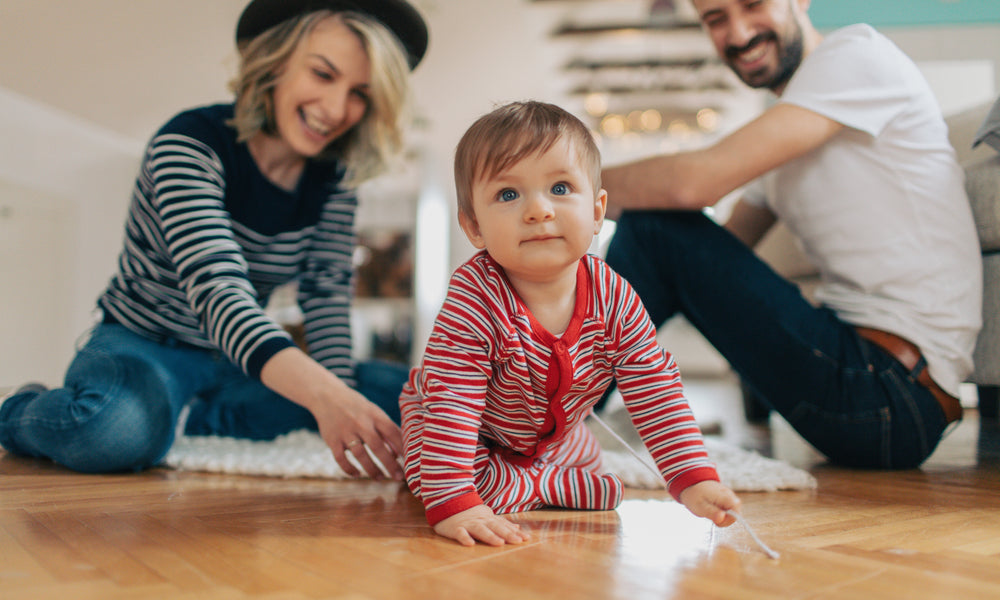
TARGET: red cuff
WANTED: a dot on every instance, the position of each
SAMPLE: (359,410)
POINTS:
(689,478)
(452,507)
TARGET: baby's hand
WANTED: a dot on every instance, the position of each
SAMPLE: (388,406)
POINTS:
(479,523)
(711,499)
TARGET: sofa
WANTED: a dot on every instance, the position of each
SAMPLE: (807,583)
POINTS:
(975,135)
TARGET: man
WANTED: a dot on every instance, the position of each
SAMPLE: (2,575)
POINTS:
(854,159)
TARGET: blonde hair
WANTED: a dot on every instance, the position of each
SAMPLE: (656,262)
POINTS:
(507,135)
(368,148)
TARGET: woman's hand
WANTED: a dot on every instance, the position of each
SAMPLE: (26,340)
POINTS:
(480,523)
(347,420)
(349,423)
(711,499)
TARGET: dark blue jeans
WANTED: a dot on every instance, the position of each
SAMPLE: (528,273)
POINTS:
(123,394)
(851,400)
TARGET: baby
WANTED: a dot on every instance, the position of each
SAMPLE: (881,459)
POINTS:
(531,334)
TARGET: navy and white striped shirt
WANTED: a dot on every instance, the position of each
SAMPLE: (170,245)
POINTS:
(209,237)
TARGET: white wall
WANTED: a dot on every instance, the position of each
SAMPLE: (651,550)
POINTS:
(940,45)
(64,188)
(125,65)
(35,321)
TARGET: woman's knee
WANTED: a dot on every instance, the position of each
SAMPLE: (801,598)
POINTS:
(122,419)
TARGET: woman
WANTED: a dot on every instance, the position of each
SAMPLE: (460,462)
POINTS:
(230,202)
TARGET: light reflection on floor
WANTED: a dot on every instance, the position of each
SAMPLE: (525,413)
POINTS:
(659,541)
(662,534)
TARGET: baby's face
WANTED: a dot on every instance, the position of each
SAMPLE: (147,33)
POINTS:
(539,216)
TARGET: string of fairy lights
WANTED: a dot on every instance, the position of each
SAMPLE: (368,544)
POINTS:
(673,129)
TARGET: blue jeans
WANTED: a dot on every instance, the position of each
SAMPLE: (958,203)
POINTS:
(123,394)
(847,397)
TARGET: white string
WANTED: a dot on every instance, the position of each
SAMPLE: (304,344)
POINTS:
(639,458)
(739,519)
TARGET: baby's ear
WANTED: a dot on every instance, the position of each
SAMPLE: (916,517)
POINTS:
(471,229)
(600,209)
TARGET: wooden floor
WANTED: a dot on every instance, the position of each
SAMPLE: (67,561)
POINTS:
(932,533)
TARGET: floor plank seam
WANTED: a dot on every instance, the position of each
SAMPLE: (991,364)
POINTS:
(507,550)
(823,592)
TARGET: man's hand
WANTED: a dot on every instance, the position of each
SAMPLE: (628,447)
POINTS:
(711,499)
(480,523)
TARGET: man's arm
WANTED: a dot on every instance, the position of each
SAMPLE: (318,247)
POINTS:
(700,178)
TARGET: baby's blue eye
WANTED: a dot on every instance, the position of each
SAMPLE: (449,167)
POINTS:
(560,189)
(508,195)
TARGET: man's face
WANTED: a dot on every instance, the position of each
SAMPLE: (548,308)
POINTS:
(760,40)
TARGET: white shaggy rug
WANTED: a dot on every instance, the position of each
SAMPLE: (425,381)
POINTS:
(304,454)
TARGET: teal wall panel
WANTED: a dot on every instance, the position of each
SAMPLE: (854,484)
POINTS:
(827,14)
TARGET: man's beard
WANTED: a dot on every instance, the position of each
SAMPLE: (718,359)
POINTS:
(789,59)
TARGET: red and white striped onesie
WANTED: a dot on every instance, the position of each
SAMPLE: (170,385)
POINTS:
(494,414)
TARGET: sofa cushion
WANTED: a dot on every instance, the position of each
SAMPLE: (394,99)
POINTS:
(966,132)
(989,131)
(963,128)
(982,183)
(987,354)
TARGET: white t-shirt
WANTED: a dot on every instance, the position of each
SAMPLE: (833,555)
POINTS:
(881,208)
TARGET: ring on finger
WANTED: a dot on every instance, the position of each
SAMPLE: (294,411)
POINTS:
(354,443)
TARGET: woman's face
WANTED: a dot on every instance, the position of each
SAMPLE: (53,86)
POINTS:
(323,90)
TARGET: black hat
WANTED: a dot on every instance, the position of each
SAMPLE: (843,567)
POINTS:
(397,15)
